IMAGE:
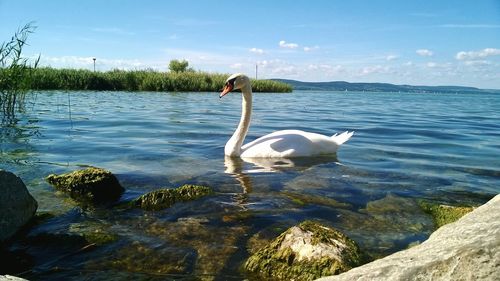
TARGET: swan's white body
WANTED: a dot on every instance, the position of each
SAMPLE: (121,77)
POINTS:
(280,144)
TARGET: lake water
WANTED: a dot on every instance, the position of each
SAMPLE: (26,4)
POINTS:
(439,147)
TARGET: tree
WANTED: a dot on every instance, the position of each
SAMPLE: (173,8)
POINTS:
(179,66)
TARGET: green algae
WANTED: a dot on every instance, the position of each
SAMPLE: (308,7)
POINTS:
(211,246)
(283,263)
(89,185)
(94,233)
(309,199)
(140,257)
(443,214)
(166,197)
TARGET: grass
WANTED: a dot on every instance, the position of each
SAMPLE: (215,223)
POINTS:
(47,78)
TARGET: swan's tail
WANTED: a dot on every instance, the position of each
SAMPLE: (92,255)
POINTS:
(340,139)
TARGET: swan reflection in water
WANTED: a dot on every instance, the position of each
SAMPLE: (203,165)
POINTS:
(242,168)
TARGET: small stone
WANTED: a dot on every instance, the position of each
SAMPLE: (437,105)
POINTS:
(92,184)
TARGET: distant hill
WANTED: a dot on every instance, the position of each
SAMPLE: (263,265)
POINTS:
(377,87)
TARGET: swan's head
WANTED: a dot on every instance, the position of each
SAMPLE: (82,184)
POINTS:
(235,82)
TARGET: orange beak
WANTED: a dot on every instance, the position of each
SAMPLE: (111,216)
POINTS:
(227,88)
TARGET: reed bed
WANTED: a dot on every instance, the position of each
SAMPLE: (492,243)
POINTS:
(47,78)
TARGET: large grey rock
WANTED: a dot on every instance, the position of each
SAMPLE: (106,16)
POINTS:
(468,249)
(17,206)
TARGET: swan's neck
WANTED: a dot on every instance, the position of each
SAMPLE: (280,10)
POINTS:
(233,145)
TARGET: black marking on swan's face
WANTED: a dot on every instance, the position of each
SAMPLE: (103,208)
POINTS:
(231,82)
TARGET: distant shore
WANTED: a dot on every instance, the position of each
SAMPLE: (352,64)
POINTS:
(47,78)
(380,87)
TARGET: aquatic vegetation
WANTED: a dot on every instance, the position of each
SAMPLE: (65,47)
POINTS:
(443,214)
(47,78)
(310,199)
(166,197)
(89,185)
(306,252)
(15,73)
(212,246)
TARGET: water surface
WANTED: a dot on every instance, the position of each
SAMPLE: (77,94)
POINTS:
(441,147)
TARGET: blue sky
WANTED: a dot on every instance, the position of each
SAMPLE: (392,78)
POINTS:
(403,42)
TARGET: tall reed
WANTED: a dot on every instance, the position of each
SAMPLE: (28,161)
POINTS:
(47,78)
(15,72)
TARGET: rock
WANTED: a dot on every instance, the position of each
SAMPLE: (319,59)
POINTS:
(11,278)
(17,206)
(190,248)
(468,249)
(89,185)
(301,198)
(166,197)
(443,214)
(305,252)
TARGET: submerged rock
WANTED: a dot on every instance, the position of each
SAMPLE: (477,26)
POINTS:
(468,249)
(92,184)
(17,206)
(443,214)
(305,252)
(166,197)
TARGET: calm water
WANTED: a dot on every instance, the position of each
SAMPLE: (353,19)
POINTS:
(442,147)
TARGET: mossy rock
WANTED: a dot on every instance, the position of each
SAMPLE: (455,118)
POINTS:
(443,214)
(92,184)
(166,197)
(305,252)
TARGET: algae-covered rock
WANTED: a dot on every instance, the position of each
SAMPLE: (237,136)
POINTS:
(305,252)
(91,184)
(443,214)
(166,197)
(17,206)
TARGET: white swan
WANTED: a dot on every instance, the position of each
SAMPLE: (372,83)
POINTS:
(280,144)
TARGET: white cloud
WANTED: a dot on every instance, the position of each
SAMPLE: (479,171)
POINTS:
(284,44)
(473,55)
(257,51)
(325,69)
(477,62)
(374,69)
(431,64)
(391,57)
(309,49)
(88,62)
(279,68)
(425,52)
(236,66)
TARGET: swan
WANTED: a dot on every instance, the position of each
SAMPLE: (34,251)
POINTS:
(280,144)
